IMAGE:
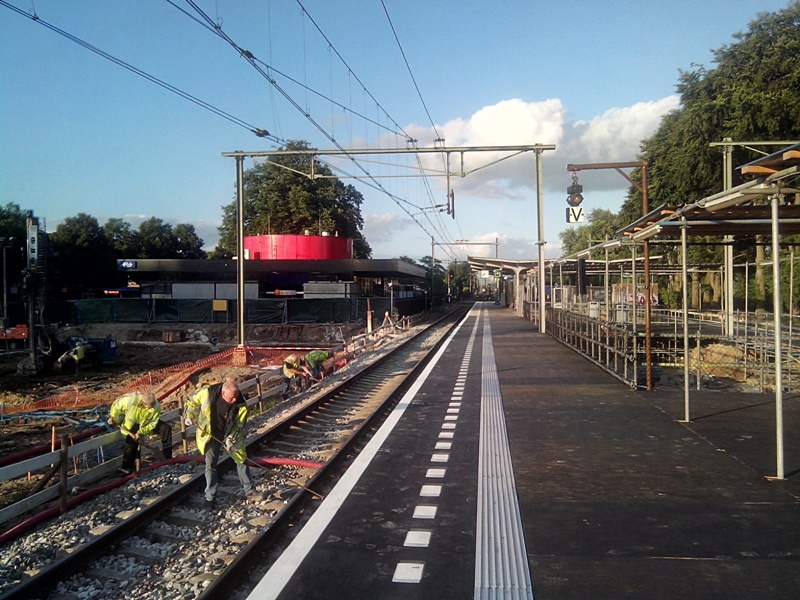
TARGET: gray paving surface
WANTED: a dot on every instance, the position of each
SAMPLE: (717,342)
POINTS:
(619,499)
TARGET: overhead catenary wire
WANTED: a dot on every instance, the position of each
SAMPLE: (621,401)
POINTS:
(258,131)
(257,65)
(332,48)
(215,26)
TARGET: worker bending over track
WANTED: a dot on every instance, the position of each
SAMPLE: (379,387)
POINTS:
(138,414)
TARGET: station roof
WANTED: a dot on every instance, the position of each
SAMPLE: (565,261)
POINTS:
(778,161)
(343,269)
(477,263)
(744,210)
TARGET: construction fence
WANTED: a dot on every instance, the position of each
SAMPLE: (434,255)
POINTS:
(256,311)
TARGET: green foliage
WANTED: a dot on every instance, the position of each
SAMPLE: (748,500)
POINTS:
(439,276)
(159,240)
(123,239)
(156,239)
(187,243)
(751,94)
(85,254)
(82,255)
(601,223)
(281,199)
(12,221)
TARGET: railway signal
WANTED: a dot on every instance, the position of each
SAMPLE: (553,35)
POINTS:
(574,197)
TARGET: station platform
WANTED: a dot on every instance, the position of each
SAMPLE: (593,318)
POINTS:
(515,468)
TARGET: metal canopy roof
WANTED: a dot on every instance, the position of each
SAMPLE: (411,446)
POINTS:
(743,210)
(742,220)
(767,165)
(478,263)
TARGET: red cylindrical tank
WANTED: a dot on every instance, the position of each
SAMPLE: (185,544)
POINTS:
(297,247)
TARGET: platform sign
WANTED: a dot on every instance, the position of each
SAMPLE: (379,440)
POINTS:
(498,274)
(485,275)
(575,214)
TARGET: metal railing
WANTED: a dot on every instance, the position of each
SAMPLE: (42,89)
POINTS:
(617,345)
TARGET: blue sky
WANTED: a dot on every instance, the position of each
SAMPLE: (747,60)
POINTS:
(80,134)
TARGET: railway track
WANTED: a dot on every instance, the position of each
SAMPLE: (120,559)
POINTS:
(171,545)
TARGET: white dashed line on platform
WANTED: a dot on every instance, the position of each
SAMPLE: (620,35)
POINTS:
(408,572)
(431,491)
(425,511)
(417,539)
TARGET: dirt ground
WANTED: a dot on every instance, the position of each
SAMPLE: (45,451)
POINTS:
(139,350)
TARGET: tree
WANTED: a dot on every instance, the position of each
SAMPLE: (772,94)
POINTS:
(82,256)
(601,223)
(280,199)
(12,221)
(440,286)
(189,244)
(157,239)
(124,240)
(749,95)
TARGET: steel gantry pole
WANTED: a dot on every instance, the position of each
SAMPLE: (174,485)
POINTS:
(240,249)
(433,267)
(540,242)
(351,153)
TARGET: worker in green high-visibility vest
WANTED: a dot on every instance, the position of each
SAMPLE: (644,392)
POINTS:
(315,360)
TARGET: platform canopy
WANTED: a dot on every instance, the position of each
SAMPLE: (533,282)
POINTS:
(743,210)
(477,263)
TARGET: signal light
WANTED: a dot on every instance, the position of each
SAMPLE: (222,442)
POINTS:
(574,197)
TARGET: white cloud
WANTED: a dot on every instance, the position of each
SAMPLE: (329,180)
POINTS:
(614,136)
(381,228)
(501,196)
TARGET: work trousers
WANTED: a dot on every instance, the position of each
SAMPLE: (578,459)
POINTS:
(293,385)
(133,449)
(213,450)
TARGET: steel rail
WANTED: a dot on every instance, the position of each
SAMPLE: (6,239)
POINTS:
(45,580)
(257,549)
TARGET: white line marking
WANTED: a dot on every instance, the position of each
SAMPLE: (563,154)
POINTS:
(425,511)
(430,491)
(417,539)
(408,572)
(281,572)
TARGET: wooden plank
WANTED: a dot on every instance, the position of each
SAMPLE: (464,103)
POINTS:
(757,170)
